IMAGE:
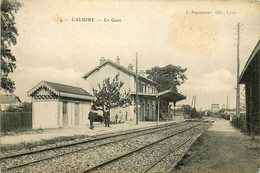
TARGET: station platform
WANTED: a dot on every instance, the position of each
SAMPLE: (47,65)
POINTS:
(222,148)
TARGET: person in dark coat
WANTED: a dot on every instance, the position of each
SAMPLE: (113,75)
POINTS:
(91,117)
(106,117)
(126,116)
(116,118)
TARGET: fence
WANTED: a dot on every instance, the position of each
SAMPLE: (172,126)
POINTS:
(244,125)
(11,121)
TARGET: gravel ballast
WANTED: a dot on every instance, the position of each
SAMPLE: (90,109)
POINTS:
(89,158)
(222,149)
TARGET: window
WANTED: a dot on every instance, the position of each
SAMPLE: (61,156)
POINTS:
(64,107)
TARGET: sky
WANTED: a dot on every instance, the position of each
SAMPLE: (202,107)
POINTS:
(197,35)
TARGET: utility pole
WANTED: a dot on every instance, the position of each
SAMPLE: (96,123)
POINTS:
(191,104)
(238,87)
(195,101)
(136,96)
(192,101)
(227,102)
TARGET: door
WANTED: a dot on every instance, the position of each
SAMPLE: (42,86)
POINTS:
(76,113)
(143,112)
(148,112)
(64,114)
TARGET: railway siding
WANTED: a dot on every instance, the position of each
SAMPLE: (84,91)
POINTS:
(49,146)
(24,158)
(89,155)
(143,161)
(77,148)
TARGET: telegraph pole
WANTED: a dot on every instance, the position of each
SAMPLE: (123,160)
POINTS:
(191,104)
(136,96)
(227,102)
(195,101)
(192,101)
(238,87)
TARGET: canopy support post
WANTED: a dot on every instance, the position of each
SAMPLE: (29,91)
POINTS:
(168,110)
(158,113)
(174,104)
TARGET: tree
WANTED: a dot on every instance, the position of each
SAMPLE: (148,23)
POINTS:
(26,107)
(243,100)
(8,38)
(194,113)
(168,77)
(108,96)
(186,109)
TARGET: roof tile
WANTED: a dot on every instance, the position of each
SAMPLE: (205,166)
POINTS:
(67,88)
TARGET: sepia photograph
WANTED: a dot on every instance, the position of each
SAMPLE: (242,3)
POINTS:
(126,86)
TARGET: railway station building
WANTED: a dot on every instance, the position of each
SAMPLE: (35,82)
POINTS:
(148,97)
(251,79)
(58,105)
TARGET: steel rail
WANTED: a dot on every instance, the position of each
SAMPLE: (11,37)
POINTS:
(171,151)
(171,169)
(85,141)
(136,150)
(71,152)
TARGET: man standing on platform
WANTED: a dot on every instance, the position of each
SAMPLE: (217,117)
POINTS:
(91,117)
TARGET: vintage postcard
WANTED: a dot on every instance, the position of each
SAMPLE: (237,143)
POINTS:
(130,86)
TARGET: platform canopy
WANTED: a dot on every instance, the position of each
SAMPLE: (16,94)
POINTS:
(170,96)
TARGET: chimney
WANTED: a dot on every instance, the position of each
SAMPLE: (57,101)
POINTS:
(102,60)
(142,73)
(118,60)
(131,67)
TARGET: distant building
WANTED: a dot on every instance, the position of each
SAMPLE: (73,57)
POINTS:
(59,105)
(229,113)
(250,76)
(148,97)
(215,108)
(7,101)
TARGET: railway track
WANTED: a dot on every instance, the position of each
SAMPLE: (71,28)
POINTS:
(98,167)
(132,134)
(85,157)
(172,152)
(87,141)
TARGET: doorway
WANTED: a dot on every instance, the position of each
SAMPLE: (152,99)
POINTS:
(76,113)
(64,114)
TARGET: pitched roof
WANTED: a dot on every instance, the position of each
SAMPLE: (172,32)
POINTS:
(67,88)
(119,67)
(8,98)
(62,90)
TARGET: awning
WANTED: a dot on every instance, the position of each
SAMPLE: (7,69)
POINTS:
(251,66)
(167,95)
(170,96)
